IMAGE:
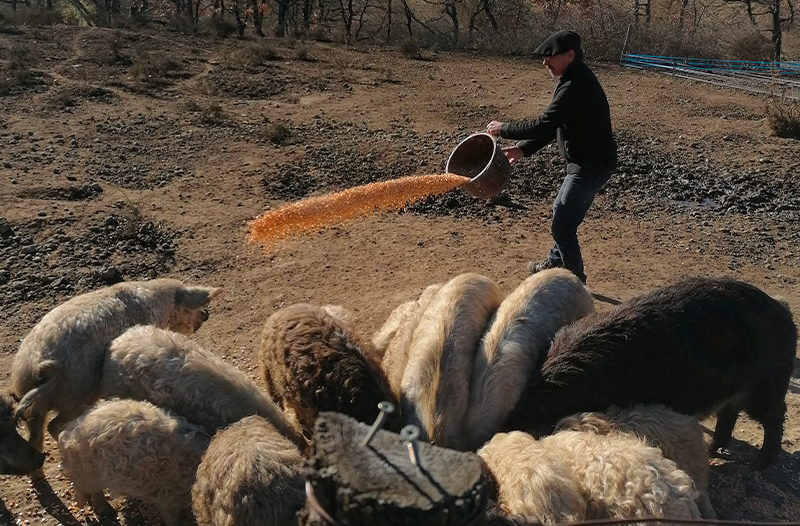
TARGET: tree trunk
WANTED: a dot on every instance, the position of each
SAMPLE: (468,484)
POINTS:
(280,30)
(84,12)
(389,25)
(258,17)
(346,12)
(682,15)
(777,32)
(487,7)
(306,14)
(472,20)
(361,16)
(749,6)
(348,20)
(238,16)
(557,12)
(451,8)
(409,17)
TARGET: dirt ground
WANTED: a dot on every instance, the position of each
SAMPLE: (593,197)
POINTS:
(134,155)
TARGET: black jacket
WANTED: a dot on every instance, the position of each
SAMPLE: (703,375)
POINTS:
(578,117)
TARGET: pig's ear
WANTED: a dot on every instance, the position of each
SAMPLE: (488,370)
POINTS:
(196,297)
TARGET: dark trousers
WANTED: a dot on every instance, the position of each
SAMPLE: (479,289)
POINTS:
(573,201)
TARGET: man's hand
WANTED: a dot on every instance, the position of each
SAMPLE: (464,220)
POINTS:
(494,128)
(513,154)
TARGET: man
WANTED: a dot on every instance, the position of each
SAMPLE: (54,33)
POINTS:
(578,117)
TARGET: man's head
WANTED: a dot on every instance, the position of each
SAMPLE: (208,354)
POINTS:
(560,50)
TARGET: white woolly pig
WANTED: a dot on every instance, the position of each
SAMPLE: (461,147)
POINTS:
(515,346)
(176,374)
(679,437)
(249,476)
(58,364)
(392,339)
(133,449)
(435,386)
(572,476)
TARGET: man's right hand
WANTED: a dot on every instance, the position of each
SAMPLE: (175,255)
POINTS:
(493,128)
(513,154)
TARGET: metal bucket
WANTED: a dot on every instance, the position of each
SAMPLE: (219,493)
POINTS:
(480,158)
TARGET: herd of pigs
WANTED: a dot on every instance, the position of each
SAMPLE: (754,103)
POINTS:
(574,413)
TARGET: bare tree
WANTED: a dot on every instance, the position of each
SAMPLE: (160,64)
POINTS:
(484,7)
(347,13)
(258,17)
(682,15)
(691,13)
(778,20)
(87,15)
(237,15)
(389,23)
(409,17)
(306,14)
(368,25)
(451,10)
(283,7)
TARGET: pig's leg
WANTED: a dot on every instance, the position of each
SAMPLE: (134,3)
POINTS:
(101,505)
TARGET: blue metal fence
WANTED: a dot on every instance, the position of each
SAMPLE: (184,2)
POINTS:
(777,78)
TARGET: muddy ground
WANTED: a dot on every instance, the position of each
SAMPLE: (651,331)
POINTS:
(132,155)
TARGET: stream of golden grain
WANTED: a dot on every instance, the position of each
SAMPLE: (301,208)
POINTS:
(327,210)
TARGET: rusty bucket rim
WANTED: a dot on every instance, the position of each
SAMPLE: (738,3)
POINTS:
(488,164)
(494,175)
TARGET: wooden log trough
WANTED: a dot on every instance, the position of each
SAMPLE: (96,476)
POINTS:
(355,477)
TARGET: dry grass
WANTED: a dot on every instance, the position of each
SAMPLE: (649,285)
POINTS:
(213,114)
(783,115)
(277,132)
(304,54)
(17,71)
(154,67)
(259,53)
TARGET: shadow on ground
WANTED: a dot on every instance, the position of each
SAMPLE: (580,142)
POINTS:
(129,512)
(774,488)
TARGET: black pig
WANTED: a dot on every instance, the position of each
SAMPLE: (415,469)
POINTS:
(700,346)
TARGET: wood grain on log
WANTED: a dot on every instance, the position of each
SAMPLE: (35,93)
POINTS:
(379,485)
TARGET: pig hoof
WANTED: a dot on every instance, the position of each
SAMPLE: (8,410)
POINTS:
(102,507)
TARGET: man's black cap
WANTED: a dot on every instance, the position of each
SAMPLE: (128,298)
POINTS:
(560,42)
